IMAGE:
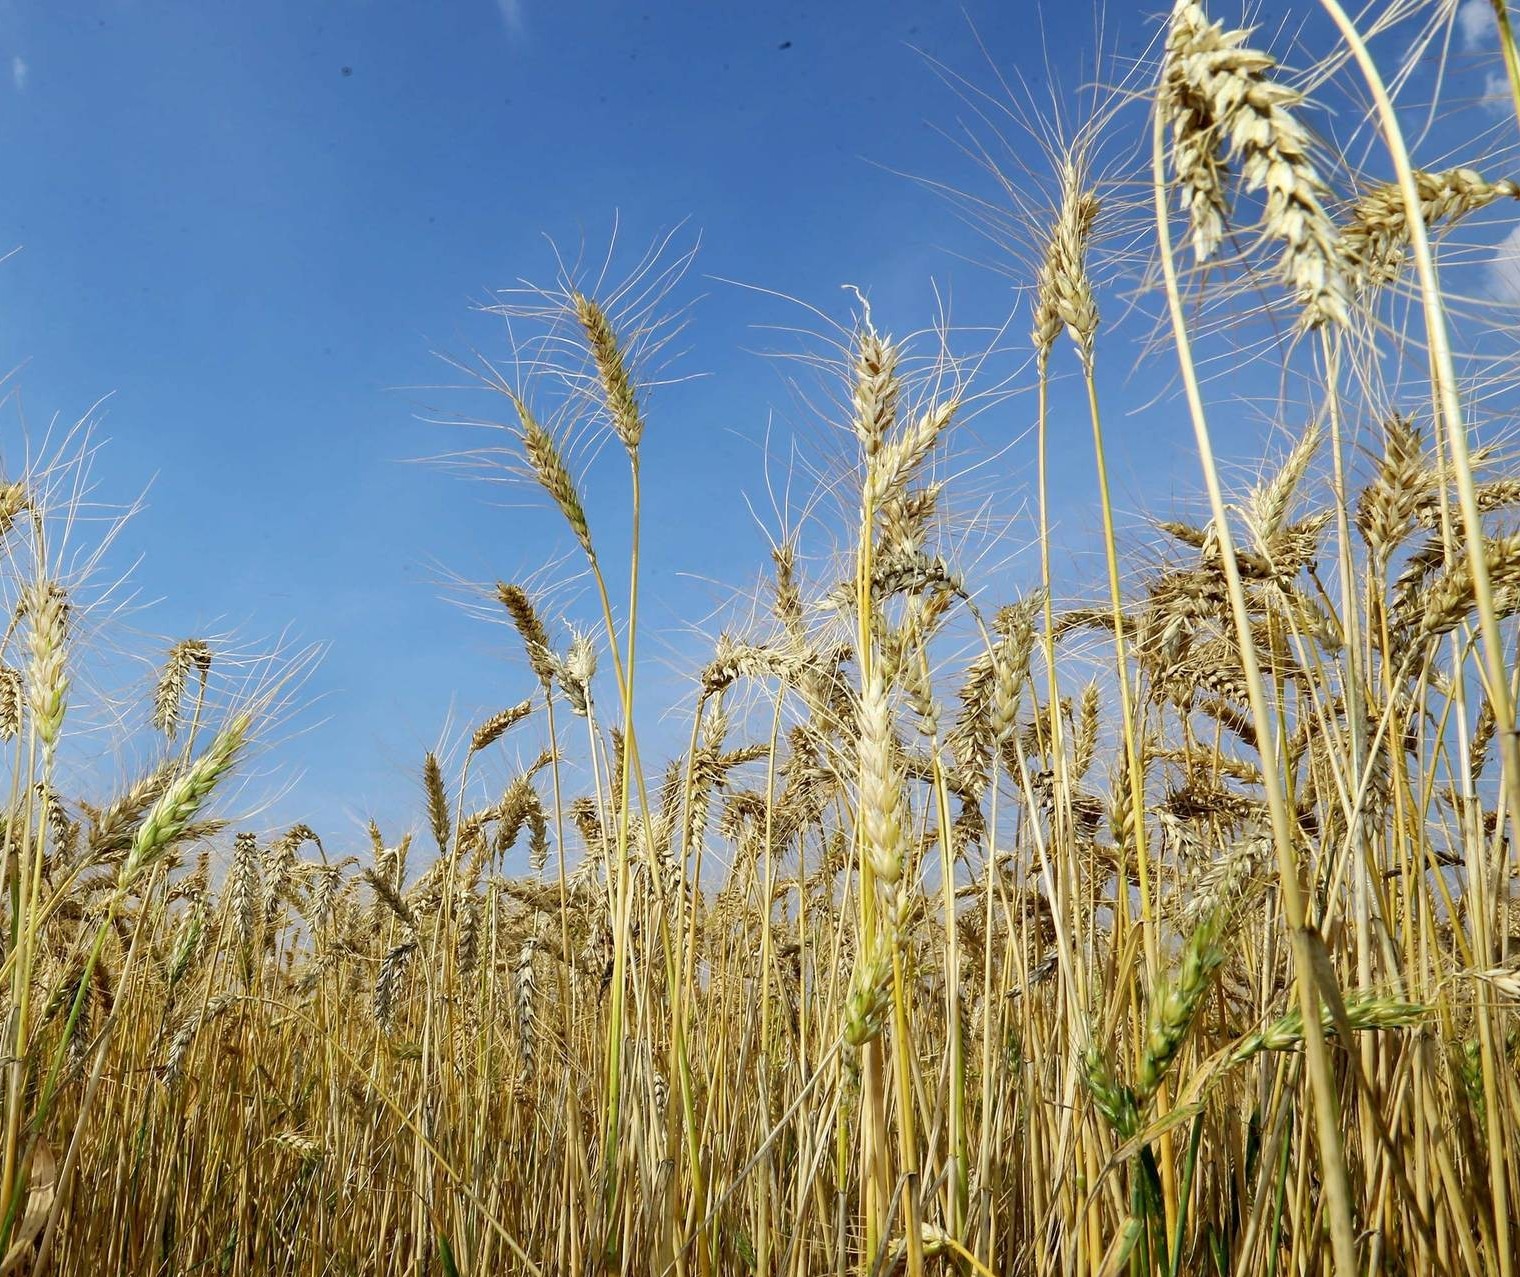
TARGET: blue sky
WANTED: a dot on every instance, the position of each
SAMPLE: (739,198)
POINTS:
(253,226)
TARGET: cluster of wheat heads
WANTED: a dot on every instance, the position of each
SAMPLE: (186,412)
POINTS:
(1174,933)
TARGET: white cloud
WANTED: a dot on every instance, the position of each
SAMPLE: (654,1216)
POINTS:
(511,15)
(1496,95)
(1504,268)
(1476,22)
(19,72)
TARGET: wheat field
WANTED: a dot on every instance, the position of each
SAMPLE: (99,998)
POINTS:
(1161,923)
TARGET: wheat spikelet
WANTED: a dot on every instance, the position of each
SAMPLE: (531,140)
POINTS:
(182,798)
(1220,891)
(1364,1012)
(733,660)
(302,1147)
(497,726)
(387,894)
(1482,737)
(393,968)
(549,467)
(1113,1099)
(190,939)
(467,941)
(617,386)
(788,602)
(1063,291)
(530,629)
(278,861)
(46,605)
(184,1035)
(244,890)
(12,698)
(893,463)
(1216,94)
(1387,504)
(1494,494)
(538,836)
(14,500)
(1084,743)
(324,892)
(867,1004)
(576,670)
(1176,1004)
(169,694)
(881,785)
(1271,502)
(1375,236)
(1450,597)
(111,827)
(876,389)
(525,986)
(906,518)
(437,800)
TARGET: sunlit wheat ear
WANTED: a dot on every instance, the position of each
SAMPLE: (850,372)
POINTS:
(876,389)
(1449,599)
(1222,888)
(63,831)
(278,862)
(788,599)
(169,695)
(1272,501)
(1063,291)
(538,837)
(576,669)
(894,463)
(12,698)
(302,1147)
(1483,734)
(1084,743)
(387,894)
(467,940)
(1217,96)
(112,826)
(733,660)
(881,784)
(530,629)
(907,517)
(244,890)
(437,800)
(498,725)
(617,386)
(181,800)
(327,884)
(45,605)
(1387,506)
(14,499)
(549,467)
(1375,237)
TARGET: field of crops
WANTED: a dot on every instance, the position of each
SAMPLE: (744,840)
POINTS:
(1165,922)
